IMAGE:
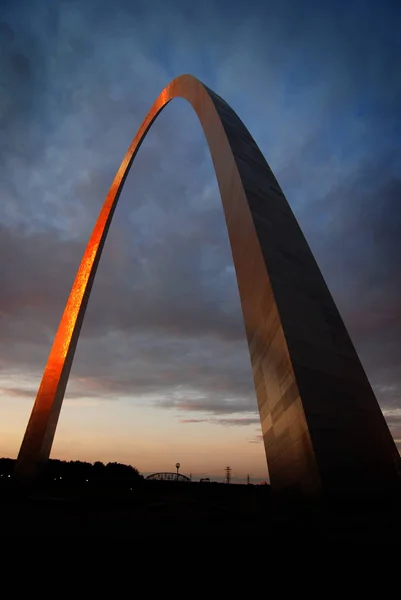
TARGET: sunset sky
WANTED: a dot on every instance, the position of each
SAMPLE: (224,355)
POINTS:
(162,372)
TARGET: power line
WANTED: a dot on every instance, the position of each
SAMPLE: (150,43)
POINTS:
(228,474)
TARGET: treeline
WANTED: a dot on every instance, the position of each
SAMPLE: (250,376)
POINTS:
(78,471)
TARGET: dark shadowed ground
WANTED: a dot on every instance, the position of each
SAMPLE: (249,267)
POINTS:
(185,509)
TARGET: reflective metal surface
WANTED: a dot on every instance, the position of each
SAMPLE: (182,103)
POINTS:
(321,423)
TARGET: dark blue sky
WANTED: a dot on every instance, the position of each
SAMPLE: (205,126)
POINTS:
(318,84)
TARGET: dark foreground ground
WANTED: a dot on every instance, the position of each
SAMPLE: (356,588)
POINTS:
(187,509)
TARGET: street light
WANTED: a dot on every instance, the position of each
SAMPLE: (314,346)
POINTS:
(177,466)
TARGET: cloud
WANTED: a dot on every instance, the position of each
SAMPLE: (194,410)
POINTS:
(225,422)
(256,439)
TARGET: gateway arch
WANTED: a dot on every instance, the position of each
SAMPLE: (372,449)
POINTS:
(322,426)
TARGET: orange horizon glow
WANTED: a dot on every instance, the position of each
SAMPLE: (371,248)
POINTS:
(151,439)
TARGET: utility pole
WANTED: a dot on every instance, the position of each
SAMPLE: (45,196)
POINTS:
(228,474)
(248,479)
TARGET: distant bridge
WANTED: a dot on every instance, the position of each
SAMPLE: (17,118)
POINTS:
(168,477)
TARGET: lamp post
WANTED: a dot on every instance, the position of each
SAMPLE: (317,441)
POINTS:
(177,466)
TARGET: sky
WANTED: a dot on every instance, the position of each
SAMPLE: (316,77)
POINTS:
(162,372)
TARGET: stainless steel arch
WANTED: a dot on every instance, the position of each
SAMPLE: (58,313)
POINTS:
(321,423)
